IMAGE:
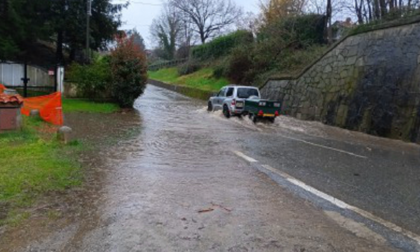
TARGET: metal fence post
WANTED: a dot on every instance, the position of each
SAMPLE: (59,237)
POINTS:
(25,79)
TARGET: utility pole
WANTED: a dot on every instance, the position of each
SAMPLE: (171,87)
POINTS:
(88,14)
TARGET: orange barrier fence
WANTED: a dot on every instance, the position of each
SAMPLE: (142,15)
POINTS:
(49,107)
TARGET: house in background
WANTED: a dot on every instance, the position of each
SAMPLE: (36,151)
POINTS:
(340,28)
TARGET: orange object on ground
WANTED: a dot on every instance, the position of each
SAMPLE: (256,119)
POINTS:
(2,88)
(49,107)
(6,99)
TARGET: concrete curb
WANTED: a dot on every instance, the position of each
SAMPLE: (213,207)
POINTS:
(188,91)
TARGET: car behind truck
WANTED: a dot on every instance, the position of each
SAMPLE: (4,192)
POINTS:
(244,100)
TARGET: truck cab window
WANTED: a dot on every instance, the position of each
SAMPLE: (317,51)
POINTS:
(230,92)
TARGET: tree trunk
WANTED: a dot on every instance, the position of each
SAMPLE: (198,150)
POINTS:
(359,8)
(329,16)
(202,37)
(382,4)
(391,5)
(376,9)
(369,3)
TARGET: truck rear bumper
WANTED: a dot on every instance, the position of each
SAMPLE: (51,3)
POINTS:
(268,115)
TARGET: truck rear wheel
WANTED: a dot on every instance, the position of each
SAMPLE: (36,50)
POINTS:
(253,117)
(210,107)
(226,111)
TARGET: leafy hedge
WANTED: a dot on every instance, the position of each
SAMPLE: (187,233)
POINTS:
(120,77)
(222,45)
(92,80)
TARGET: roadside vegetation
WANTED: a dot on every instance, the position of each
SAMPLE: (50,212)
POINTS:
(33,163)
(119,78)
(285,38)
(83,105)
(202,79)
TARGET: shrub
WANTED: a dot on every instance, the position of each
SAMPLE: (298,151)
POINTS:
(129,72)
(294,62)
(93,81)
(219,71)
(189,67)
(309,29)
(238,66)
(222,45)
(305,30)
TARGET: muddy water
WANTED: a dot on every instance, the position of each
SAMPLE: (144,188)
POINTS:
(173,184)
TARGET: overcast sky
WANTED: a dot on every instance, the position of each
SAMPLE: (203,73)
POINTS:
(140,14)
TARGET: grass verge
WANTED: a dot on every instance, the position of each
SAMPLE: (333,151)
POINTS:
(81,105)
(32,164)
(202,79)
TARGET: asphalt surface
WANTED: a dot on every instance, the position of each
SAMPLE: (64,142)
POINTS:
(177,185)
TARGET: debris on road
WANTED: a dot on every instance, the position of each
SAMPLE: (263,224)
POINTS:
(206,210)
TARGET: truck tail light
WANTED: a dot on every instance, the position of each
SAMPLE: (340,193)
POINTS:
(277,113)
(261,113)
(233,102)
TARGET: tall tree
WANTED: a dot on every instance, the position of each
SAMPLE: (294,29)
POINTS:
(137,39)
(23,22)
(69,21)
(166,30)
(209,17)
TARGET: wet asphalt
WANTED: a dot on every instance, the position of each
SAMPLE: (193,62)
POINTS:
(175,184)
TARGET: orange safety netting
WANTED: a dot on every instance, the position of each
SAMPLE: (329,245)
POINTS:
(49,107)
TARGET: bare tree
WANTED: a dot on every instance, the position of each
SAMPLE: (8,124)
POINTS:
(166,30)
(209,17)
(249,22)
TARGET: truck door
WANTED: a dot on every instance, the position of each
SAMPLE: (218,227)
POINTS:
(221,97)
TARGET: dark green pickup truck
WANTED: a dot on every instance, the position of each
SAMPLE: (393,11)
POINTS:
(258,109)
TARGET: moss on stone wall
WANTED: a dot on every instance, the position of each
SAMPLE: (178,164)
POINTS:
(368,82)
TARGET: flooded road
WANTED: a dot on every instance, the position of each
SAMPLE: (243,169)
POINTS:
(176,184)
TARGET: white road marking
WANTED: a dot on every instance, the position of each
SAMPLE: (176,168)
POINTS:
(335,201)
(323,146)
(243,156)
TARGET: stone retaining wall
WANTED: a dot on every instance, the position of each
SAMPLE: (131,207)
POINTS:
(369,82)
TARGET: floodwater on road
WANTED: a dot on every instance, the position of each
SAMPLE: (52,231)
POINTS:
(175,184)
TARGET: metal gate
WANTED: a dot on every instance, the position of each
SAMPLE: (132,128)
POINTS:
(40,80)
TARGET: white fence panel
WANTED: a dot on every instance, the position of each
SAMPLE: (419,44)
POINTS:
(11,74)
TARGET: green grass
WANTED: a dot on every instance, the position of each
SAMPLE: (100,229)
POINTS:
(81,105)
(202,79)
(31,166)
(33,93)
